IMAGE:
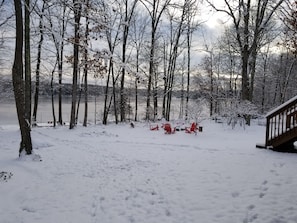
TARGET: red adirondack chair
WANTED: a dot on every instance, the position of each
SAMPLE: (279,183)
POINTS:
(168,129)
(192,129)
(154,127)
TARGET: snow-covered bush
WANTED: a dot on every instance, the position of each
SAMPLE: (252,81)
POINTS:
(237,112)
(197,111)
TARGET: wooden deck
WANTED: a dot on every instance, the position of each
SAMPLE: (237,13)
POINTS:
(281,127)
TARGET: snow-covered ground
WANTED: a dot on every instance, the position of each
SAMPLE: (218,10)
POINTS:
(119,174)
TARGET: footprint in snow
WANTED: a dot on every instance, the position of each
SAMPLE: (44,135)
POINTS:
(250,217)
(4,176)
(263,189)
(235,194)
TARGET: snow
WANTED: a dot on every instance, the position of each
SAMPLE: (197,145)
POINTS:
(119,174)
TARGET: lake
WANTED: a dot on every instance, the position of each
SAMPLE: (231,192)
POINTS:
(95,106)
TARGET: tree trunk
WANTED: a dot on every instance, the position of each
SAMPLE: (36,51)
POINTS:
(78,104)
(106,109)
(210,71)
(52,96)
(86,96)
(127,18)
(114,97)
(172,63)
(245,90)
(77,15)
(17,78)
(86,67)
(136,100)
(155,95)
(36,96)
(244,75)
(264,83)
(165,79)
(286,82)
(188,70)
(27,63)
(136,86)
(182,96)
(151,72)
(60,68)
(155,14)
(245,54)
(122,90)
(60,53)
(252,63)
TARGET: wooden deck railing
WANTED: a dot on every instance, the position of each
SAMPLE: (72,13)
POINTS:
(281,127)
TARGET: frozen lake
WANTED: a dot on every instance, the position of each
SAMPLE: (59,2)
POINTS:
(44,114)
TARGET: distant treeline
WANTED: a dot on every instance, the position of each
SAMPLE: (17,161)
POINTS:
(6,89)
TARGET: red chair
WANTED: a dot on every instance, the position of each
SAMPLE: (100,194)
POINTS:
(168,129)
(154,128)
(192,129)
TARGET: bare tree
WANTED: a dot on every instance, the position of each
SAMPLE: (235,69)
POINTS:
(290,22)
(77,6)
(109,25)
(128,13)
(37,82)
(55,22)
(250,21)
(208,65)
(139,25)
(27,62)
(289,43)
(191,26)
(60,57)
(155,9)
(265,58)
(17,77)
(231,62)
(174,49)
(86,62)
